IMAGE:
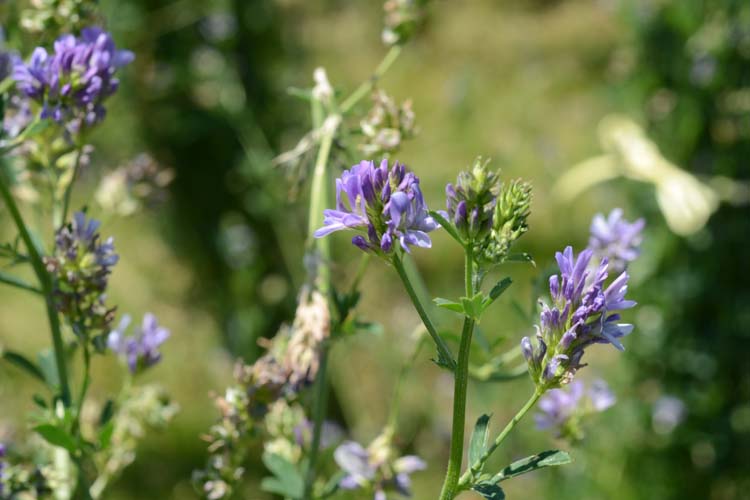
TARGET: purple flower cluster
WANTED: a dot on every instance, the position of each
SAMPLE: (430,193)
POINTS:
(561,408)
(140,350)
(582,313)
(616,239)
(81,266)
(368,468)
(72,83)
(386,205)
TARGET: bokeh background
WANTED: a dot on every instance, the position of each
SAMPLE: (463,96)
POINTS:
(522,82)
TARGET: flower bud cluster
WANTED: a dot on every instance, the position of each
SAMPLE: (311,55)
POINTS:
(387,125)
(81,265)
(488,214)
(141,182)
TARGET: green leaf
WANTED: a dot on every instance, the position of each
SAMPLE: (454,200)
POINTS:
(107,413)
(105,435)
(40,401)
(56,437)
(332,485)
(489,491)
(48,367)
(520,257)
(22,362)
(499,288)
(449,228)
(288,480)
(478,443)
(550,458)
(449,304)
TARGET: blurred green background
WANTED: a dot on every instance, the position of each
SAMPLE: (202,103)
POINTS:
(522,82)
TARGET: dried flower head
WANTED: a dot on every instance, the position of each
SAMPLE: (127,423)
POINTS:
(141,182)
(582,313)
(81,265)
(386,126)
(386,206)
(402,19)
(73,82)
(311,327)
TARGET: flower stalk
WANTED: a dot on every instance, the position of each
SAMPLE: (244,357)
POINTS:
(450,484)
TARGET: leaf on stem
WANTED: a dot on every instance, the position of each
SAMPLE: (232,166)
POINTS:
(22,362)
(447,226)
(287,480)
(520,257)
(549,458)
(489,491)
(478,443)
(56,436)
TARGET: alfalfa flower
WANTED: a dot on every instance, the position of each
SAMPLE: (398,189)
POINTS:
(72,83)
(375,468)
(562,409)
(582,312)
(140,350)
(384,205)
(616,239)
(80,265)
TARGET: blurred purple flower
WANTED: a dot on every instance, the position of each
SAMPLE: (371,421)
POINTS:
(582,313)
(140,350)
(667,414)
(616,239)
(560,409)
(72,83)
(81,264)
(384,205)
(366,468)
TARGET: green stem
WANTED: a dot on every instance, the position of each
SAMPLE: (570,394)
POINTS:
(464,482)
(84,384)
(46,284)
(319,413)
(11,280)
(69,191)
(450,485)
(367,86)
(405,368)
(443,350)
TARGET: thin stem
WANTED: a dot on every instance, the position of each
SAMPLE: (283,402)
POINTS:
(318,201)
(319,413)
(443,350)
(463,483)
(69,191)
(367,86)
(84,384)
(46,284)
(450,485)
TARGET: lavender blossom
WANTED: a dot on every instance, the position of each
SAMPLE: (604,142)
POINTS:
(384,205)
(373,468)
(140,350)
(72,83)
(562,409)
(81,266)
(616,239)
(582,313)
